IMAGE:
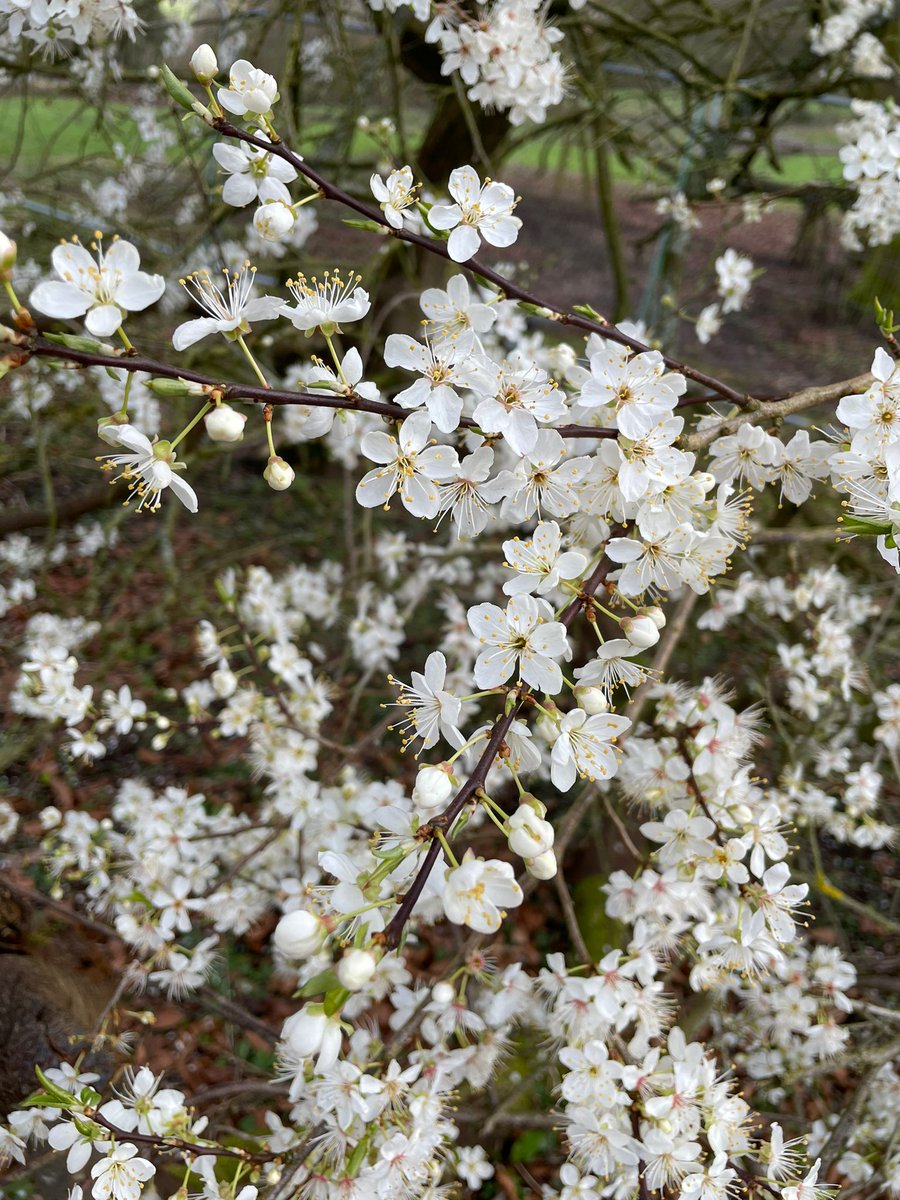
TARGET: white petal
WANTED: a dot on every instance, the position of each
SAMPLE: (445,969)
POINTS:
(59,299)
(104,319)
(139,291)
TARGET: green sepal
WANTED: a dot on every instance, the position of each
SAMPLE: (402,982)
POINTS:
(174,387)
(76,341)
(363,223)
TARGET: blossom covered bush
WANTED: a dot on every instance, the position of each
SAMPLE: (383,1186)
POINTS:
(548,510)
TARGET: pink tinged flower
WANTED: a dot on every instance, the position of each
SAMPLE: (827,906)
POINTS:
(149,469)
(586,746)
(250,90)
(482,211)
(477,892)
(229,305)
(121,1175)
(105,288)
(250,171)
(410,466)
(522,636)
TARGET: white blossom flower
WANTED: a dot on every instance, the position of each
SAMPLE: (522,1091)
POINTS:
(408,467)
(395,194)
(540,562)
(735,273)
(251,171)
(468,497)
(585,746)
(230,307)
(105,289)
(149,468)
(324,305)
(250,90)
(454,310)
(478,890)
(121,1175)
(432,711)
(522,636)
(481,211)
(443,368)
(516,394)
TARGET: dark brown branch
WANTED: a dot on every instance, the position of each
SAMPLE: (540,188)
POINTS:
(260,395)
(510,289)
(394,930)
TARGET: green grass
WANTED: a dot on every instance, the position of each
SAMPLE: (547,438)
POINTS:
(44,131)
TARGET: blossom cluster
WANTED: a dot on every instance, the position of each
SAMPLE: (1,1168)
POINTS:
(871,164)
(53,26)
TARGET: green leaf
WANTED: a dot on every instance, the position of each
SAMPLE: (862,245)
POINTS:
(176,89)
(364,223)
(319,984)
(534,1143)
(335,1001)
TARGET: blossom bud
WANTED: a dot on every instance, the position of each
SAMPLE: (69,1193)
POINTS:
(224,682)
(592,699)
(273,220)
(433,787)
(542,866)
(225,424)
(7,254)
(443,992)
(204,64)
(355,969)
(299,934)
(656,615)
(547,724)
(641,632)
(279,475)
(529,834)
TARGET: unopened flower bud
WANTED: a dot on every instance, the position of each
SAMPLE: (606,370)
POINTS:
(529,834)
(273,220)
(7,254)
(656,615)
(224,682)
(433,787)
(204,64)
(279,475)
(443,992)
(542,866)
(592,699)
(641,632)
(355,969)
(225,424)
(299,934)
